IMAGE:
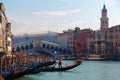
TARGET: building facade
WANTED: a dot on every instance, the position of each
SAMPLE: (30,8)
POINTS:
(66,39)
(9,38)
(3,22)
(100,35)
(91,43)
(107,40)
(113,39)
(5,31)
(80,40)
(99,41)
(5,36)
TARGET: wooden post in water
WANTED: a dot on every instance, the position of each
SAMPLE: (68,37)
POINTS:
(1,77)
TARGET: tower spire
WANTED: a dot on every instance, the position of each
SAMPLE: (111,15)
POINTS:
(104,18)
(104,8)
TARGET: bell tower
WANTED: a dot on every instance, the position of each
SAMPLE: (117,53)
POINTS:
(104,19)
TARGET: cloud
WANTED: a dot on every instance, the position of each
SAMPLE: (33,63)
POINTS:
(76,23)
(76,10)
(21,26)
(110,2)
(42,24)
(70,25)
(16,20)
(56,13)
(50,13)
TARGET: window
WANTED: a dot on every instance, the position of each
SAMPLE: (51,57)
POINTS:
(116,44)
(111,31)
(0,19)
(8,43)
(70,38)
(69,42)
(116,30)
(31,46)
(1,43)
(109,45)
(78,44)
(116,36)
(99,36)
(111,37)
(106,37)
(18,49)
(1,34)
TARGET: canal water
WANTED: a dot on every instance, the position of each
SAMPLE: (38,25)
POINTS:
(89,70)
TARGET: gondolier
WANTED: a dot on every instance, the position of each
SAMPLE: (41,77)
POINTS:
(60,62)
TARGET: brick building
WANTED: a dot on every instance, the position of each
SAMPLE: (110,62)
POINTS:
(80,40)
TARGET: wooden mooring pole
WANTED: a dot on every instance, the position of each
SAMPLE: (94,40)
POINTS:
(1,77)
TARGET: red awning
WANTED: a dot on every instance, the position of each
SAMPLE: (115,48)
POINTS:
(19,54)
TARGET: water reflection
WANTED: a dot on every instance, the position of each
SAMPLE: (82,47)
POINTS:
(89,70)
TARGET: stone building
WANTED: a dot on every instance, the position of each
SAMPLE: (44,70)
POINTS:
(5,36)
(107,40)
(66,39)
(5,31)
(3,22)
(90,43)
(99,41)
(100,35)
(113,39)
(9,38)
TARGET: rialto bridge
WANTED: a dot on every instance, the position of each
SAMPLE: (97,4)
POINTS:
(32,46)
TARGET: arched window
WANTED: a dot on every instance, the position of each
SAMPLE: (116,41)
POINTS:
(13,50)
(26,47)
(48,46)
(44,46)
(18,49)
(64,51)
(31,46)
(60,49)
(56,49)
(22,48)
(52,47)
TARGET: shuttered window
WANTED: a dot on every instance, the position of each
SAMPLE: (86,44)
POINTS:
(0,19)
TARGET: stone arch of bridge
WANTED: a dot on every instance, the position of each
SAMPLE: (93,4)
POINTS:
(53,48)
(23,48)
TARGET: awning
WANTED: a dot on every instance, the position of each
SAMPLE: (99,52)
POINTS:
(19,54)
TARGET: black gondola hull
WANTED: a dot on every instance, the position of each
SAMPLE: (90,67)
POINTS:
(52,69)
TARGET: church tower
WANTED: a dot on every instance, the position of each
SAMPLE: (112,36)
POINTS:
(104,19)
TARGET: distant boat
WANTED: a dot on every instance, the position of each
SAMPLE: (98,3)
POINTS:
(52,69)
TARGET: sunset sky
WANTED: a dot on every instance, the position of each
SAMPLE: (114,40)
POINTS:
(39,16)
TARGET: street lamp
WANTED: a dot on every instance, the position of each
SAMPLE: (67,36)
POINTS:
(55,56)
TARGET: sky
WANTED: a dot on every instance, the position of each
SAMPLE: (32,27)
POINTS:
(40,16)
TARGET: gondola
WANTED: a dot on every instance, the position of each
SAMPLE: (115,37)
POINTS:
(36,70)
(52,69)
(18,74)
(7,75)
